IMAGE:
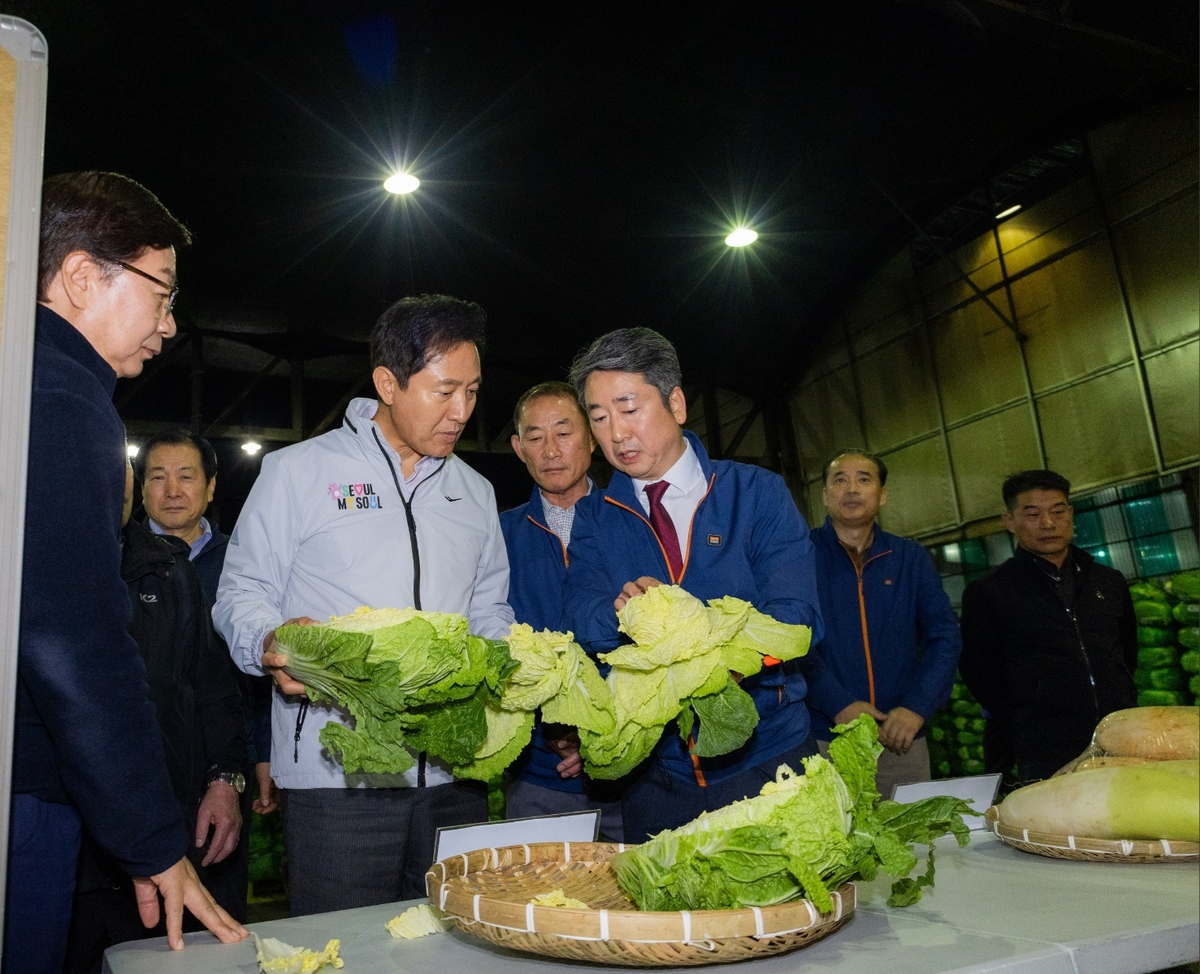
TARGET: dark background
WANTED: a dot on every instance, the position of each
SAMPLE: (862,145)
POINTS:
(581,165)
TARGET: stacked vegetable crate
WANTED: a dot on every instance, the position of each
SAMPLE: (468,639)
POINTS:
(956,736)
(1168,615)
(266,856)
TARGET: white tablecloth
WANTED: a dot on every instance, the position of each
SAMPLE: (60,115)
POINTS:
(993,908)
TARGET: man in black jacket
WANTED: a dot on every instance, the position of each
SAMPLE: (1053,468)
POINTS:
(87,744)
(198,707)
(1049,637)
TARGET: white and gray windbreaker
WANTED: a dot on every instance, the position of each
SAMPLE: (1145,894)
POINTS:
(327,527)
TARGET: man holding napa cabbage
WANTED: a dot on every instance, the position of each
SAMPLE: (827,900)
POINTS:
(672,515)
(381,513)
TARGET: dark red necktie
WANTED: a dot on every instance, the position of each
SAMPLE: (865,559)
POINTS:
(660,520)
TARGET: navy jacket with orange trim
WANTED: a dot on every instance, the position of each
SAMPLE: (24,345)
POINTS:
(909,653)
(747,540)
(537,564)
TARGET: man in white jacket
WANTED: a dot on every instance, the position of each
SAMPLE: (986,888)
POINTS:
(378,513)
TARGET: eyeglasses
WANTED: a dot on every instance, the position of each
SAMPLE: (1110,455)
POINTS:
(172,289)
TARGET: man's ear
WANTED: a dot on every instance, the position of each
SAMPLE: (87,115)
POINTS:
(882,496)
(212,488)
(78,278)
(678,403)
(385,384)
(1009,521)
(516,445)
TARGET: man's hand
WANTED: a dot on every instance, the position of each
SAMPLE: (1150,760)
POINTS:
(268,795)
(900,729)
(852,710)
(181,887)
(632,590)
(564,741)
(275,662)
(219,809)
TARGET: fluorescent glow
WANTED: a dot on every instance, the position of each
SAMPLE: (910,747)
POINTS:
(401,183)
(131,450)
(741,237)
(1009,212)
(251,447)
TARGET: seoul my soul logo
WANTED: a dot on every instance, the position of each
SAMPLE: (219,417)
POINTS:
(355,497)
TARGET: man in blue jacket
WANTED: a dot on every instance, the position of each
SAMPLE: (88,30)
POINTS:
(87,745)
(671,515)
(554,442)
(891,642)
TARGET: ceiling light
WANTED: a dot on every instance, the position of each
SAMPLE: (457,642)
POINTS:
(131,450)
(401,183)
(1009,212)
(251,447)
(741,237)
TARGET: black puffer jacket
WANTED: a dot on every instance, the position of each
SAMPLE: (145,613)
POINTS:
(192,682)
(191,678)
(1047,673)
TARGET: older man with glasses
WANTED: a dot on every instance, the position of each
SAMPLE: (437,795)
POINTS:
(87,745)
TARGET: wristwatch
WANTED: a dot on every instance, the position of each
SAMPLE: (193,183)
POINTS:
(235,779)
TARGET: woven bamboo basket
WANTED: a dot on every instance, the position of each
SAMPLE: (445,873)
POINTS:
(487,893)
(1092,850)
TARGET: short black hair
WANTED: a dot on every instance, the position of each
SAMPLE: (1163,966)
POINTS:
(104,214)
(546,390)
(875,458)
(416,329)
(640,351)
(178,437)
(1018,483)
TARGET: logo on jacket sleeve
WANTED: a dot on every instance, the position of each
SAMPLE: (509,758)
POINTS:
(355,497)
(714,540)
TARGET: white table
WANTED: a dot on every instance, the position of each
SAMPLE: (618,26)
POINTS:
(993,909)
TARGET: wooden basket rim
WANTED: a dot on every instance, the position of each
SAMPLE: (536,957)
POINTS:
(1063,846)
(631,926)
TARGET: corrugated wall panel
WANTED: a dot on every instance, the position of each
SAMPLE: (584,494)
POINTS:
(1160,258)
(898,396)
(890,289)
(825,418)
(1073,316)
(978,361)
(985,452)
(944,287)
(1175,392)
(1146,157)
(1095,432)
(919,496)
(1061,221)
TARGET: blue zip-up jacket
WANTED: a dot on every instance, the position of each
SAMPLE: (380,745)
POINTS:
(747,539)
(537,565)
(891,637)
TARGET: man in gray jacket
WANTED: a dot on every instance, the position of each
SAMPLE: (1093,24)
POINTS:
(377,513)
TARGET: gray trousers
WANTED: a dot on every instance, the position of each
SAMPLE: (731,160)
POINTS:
(351,847)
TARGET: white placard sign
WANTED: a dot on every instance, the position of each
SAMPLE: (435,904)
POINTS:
(979,791)
(453,840)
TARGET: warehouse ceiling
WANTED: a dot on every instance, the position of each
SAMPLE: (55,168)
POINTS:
(581,164)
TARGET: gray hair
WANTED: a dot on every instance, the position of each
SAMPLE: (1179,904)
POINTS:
(641,351)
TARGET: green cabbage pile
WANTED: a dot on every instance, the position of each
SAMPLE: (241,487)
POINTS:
(679,668)
(802,836)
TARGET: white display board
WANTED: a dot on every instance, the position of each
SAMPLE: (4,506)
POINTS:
(978,791)
(22,129)
(454,840)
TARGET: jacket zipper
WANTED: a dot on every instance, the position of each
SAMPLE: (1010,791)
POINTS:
(566,560)
(862,617)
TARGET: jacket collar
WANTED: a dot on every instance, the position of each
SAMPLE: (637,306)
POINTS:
(881,541)
(1029,561)
(620,487)
(144,553)
(54,330)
